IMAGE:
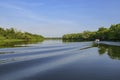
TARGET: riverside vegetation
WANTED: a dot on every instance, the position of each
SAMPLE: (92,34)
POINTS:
(12,35)
(108,34)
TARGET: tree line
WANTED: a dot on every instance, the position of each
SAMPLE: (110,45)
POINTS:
(109,34)
(11,33)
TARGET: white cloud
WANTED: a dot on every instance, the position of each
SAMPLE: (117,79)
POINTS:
(30,14)
(33,4)
(40,24)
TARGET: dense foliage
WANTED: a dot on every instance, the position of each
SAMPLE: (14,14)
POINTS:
(13,34)
(112,33)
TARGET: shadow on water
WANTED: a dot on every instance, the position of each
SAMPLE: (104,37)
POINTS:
(7,52)
(112,51)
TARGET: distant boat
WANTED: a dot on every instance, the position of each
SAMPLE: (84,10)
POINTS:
(97,40)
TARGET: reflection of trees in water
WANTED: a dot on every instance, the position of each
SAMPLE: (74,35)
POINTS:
(17,44)
(112,51)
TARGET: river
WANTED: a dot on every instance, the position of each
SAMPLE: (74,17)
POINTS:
(57,60)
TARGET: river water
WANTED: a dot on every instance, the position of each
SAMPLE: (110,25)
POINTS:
(57,60)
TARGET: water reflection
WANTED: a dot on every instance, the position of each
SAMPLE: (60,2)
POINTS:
(17,44)
(112,51)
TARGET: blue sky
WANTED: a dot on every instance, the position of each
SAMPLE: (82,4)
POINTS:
(52,18)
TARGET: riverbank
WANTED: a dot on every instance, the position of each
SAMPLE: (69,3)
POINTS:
(18,40)
(10,40)
(13,35)
(104,34)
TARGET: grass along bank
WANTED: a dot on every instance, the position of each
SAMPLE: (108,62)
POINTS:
(11,37)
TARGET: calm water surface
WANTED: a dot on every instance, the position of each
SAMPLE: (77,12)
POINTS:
(56,60)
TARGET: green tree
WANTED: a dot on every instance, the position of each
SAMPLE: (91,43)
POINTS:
(114,32)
